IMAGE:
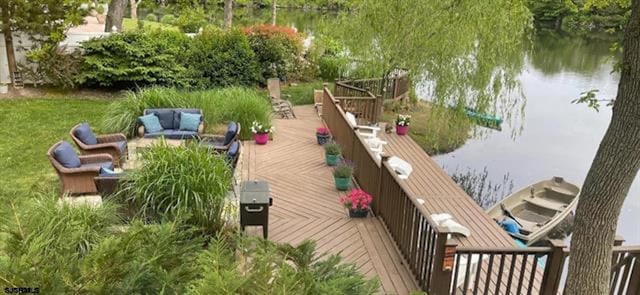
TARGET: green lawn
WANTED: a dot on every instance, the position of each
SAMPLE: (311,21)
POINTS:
(302,93)
(132,24)
(30,127)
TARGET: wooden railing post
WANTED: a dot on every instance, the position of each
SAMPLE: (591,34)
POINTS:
(553,271)
(619,240)
(441,275)
(376,202)
(634,279)
(378,108)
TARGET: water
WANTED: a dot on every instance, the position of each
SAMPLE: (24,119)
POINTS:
(558,138)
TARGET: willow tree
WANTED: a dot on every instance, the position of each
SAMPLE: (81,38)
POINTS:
(466,52)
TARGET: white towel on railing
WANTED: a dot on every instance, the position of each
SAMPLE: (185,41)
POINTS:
(446,220)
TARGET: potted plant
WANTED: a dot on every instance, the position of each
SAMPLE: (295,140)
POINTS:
(402,124)
(342,176)
(322,135)
(358,202)
(261,132)
(332,153)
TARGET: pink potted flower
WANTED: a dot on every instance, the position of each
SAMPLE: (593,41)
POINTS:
(261,132)
(358,202)
(322,135)
(402,124)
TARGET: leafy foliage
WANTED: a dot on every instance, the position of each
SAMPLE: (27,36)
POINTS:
(191,19)
(219,58)
(278,49)
(180,183)
(332,149)
(135,59)
(343,170)
(219,106)
(52,65)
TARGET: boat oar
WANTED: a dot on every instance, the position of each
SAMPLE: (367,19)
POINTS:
(508,213)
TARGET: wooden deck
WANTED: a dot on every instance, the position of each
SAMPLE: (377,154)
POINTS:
(306,204)
(441,194)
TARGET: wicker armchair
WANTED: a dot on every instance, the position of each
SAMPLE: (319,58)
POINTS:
(79,180)
(107,144)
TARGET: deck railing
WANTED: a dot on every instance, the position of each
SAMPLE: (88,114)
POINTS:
(364,104)
(395,87)
(438,265)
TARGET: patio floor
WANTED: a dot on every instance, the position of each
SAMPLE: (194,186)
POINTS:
(306,204)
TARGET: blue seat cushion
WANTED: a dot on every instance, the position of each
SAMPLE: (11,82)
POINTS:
(107,172)
(122,145)
(232,129)
(84,134)
(66,156)
(233,150)
(189,122)
(173,134)
(151,123)
(165,116)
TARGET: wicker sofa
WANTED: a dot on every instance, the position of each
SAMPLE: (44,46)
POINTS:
(112,144)
(79,180)
(170,121)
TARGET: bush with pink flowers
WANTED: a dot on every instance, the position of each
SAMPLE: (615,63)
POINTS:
(357,200)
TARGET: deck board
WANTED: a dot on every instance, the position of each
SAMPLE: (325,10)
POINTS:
(306,203)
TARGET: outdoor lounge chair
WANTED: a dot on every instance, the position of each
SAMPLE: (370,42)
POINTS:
(90,144)
(221,143)
(364,130)
(376,146)
(77,173)
(280,106)
(318,95)
(233,153)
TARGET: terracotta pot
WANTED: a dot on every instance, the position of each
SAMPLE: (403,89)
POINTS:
(261,138)
(402,130)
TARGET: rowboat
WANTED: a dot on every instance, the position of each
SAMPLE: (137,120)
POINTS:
(490,121)
(530,213)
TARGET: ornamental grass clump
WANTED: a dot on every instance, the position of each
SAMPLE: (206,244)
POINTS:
(343,170)
(332,149)
(174,183)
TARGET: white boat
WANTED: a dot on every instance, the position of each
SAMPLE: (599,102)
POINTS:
(537,208)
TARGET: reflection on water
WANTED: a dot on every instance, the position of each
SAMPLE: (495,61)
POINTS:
(559,138)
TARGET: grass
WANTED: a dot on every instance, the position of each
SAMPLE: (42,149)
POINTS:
(302,93)
(30,127)
(436,133)
(132,24)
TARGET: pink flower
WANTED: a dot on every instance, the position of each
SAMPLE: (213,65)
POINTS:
(357,199)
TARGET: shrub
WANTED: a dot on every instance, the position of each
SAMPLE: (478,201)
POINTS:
(180,183)
(218,106)
(52,65)
(278,49)
(135,59)
(222,59)
(151,17)
(332,149)
(343,170)
(168,19)
(191,20)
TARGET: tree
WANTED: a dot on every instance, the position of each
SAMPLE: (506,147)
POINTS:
(44,21)
(133,6)
(115,15)
(228,13)
(552,11)
(274,11)
(611,174)
(468,58)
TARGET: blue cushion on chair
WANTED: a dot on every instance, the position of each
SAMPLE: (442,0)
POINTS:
(84,134)
(107,172)
(151,123)
(165,116)
(233,150)
(67,157)
(189,122)
(232,129)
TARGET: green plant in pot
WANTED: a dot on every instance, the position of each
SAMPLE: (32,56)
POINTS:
(342,176)
(332,153)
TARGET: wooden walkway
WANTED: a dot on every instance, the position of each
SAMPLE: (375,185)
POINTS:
(306,204)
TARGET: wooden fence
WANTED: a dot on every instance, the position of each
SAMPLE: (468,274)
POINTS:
(396,87)
(438,265)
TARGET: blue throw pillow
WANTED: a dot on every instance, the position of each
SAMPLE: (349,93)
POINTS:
(189,122)
(67,157)
(84,134)
(233,151)
(151,123)
(232,129)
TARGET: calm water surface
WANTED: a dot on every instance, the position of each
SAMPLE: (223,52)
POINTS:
(558,138)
